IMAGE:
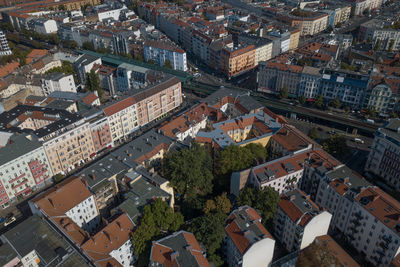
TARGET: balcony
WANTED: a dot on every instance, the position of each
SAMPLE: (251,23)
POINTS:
(387,239)
(380,252)
(383,245)
(358,216)
(356,223)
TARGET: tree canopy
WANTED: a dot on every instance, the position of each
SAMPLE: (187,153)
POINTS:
(283,93)
(336,103)
(336,146)
(66,67)
(265,201)
(319,102)
(313,133)
(157,217)
(220,203)
(92,83)
(190,171)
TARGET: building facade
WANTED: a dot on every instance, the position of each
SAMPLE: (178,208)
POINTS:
(58,82)
(162,53)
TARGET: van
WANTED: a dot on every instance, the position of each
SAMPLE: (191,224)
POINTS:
(358,140)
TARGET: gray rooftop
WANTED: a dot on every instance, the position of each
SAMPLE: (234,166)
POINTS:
(132,67)
(141,193)
(312,71)
(178,243)
(21,144)
(140,146)
(242,98)
(355,182)
(304,204)
(6,254)
(102,170)
(36,234)
(85,59)
(56,76)
(391,130)
(60,104)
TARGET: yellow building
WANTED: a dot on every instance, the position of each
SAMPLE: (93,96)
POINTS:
(294,39)
(234,61)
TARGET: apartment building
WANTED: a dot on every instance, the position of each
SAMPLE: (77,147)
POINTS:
(101,132)
(4,47)
(112,245)
(84,64)
(299,221)
(188,124)
(24,168)
(162,53)
(384,157)
(45,26)
(309,82)
(311,24)
(180,248)
(294,39)
(273,76)
(382,94)
(337,14)
(58,81)
(374,30)
(131,77)
(158,99)
(122,118)
(248,243)
(243,130)
(108,78)
(70,199)
(348,87)
(237,60)
(263,46)
(360,6)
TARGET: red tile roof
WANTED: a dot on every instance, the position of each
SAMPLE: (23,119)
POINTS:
(36,54)
(120,105)
(7,69)
(285,67)
(111,237)
(90,98)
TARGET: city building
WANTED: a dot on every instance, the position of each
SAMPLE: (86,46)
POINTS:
(69,199)
(24,168)
(58,81)
(131,77)
(246,129)
(34,242)
(384,156)
(263,47)
(348,87)
(298,220)
(163,53)
(112,245)
(310,23)
(379,31)
(309,82)
(84,64)
(382,94)
(4,47)
(100,130)
(45,26)
(273,76)
(108,78)
(235,61)
(248,243)
(180,249)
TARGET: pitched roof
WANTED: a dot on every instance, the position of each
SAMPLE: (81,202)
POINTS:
(292,139)
(244,228)
(62,197)
(178,249)
(36,54)
(298,206)
(111,237)
(8,68)
(120,105)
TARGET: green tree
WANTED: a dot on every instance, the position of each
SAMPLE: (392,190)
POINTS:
(391,45)
(92,83)
(190,171)
(61,7)
(150,61)
(221,203)
(371,112)
(366,12)
(209,230)
(319,102)
(69,44)
(316,255)
(139,57)
(88,46)
(313,133)
(336,146)
(265,201)
(352,12)
(347,109)
(329,28)
(157,217)
(304,61)
(302,99)
(283,93)
(168,64)
(58,177)
(394,115)
(336,103)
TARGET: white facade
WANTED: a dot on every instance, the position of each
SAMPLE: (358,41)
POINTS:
(318,226)
(259,254)
(23,174)
(4,47)
(177,57)
(46,26)
(263,53)
(31,259)
(123,123)
(192,131)
(85,214)
(124,254)
(63,83)
(110,14)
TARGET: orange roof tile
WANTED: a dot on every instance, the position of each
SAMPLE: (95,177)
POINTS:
(120,105)
(8,68)
(36,54)
(90,98)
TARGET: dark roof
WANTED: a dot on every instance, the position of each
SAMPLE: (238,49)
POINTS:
(6,254)
(102,170)
(140,146)
(392,130)
(55,76)
(36,234)
(20,145)
(152,90)
(61,118)
(85,59)
(60,104)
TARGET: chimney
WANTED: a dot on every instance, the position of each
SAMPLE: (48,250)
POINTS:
(346,180)
(292,197)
